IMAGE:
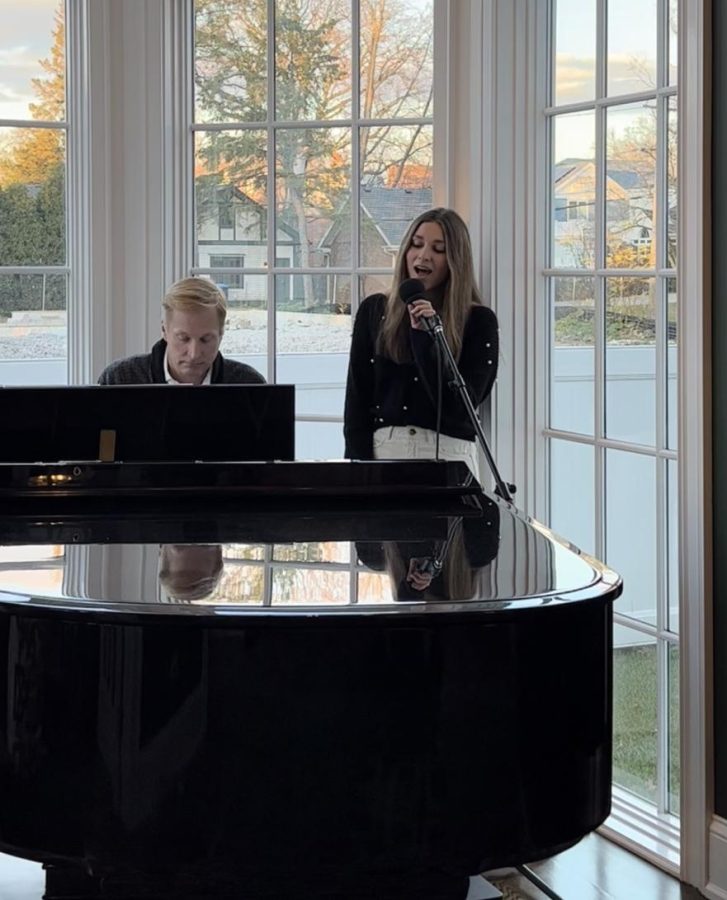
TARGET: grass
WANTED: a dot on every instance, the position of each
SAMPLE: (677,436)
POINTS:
(635,722)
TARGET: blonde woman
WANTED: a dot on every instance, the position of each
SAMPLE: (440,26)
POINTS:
(193,322)
(392,388)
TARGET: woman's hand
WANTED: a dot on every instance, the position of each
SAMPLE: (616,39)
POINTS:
(420,581)
(418,311)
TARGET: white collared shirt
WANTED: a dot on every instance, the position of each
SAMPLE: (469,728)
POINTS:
(169,378)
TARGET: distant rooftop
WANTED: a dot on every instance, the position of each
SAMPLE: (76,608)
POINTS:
(393,209)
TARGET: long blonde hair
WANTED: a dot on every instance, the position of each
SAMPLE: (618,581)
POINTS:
(460,289)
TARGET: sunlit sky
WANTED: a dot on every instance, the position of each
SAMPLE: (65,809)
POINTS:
(25,38)
(632,45)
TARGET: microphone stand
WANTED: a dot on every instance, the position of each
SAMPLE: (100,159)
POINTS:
(436,330)
(433,565)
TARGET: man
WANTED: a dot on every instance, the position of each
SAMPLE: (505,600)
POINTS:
(193,322)
(189,572)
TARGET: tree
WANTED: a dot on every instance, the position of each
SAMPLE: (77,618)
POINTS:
(33,153)
(313,83)
(396,82)
(32,193)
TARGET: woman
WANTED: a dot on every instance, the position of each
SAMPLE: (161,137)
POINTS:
(392,387)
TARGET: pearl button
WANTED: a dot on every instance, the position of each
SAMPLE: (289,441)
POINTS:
(404,407)
(487,345)
(416,378)
(372,359)
(489,362)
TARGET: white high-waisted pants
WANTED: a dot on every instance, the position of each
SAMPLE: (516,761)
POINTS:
(413,442)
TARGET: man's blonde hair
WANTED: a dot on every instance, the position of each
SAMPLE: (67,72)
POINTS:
(195,293)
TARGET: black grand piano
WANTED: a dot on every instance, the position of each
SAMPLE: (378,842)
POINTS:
(292,679)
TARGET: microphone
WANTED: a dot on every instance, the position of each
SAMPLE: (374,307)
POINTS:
(413,289)
(430,565)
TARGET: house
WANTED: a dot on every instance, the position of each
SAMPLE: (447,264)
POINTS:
(232,230)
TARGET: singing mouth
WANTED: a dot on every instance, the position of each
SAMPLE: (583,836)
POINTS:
(422,271)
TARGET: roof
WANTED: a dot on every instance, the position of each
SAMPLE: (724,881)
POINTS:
(392,210)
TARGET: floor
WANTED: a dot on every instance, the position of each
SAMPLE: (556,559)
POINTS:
(595,869)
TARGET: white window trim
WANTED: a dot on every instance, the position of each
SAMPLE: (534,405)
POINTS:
(513,40)
(116,168)
(695,444)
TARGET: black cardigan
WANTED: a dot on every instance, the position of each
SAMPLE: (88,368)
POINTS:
(149,369)
(380,392)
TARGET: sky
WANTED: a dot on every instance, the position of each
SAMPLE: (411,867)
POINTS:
(631,63)
(25,38)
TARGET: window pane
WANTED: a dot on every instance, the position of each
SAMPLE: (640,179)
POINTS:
(631,46)
(243,551)
(631,360)
(631,530)
(396,186)
(572,475)
(396,59)
(672,527)
(312,59)
(374,588)
(635,744)
(33,343)
(313,183)
(230,73)
(386,213)
(239,584)
(32,197)
(575,51)
(315,551)
(572,355)
(672,195)
(314,586)
(246,328)
(319,440)
(32,50)
(230,201)
(574,191)
(673,41)
(374,284)
(672,337)
(631,186)
(674,757)
(313,324)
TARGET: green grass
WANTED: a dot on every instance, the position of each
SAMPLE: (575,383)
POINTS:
(635,721)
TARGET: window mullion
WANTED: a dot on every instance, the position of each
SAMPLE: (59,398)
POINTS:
(599,288)
(270,199)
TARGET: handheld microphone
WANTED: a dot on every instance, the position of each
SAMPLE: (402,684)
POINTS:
(430,565)
(413,289)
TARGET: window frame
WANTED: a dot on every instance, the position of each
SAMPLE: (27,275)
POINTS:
(516,42)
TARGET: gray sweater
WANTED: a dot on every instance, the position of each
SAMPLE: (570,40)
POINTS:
(148,368)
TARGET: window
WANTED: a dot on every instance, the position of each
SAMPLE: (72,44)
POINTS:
(611,304)
(234,280)
(33,140)
(313,132)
